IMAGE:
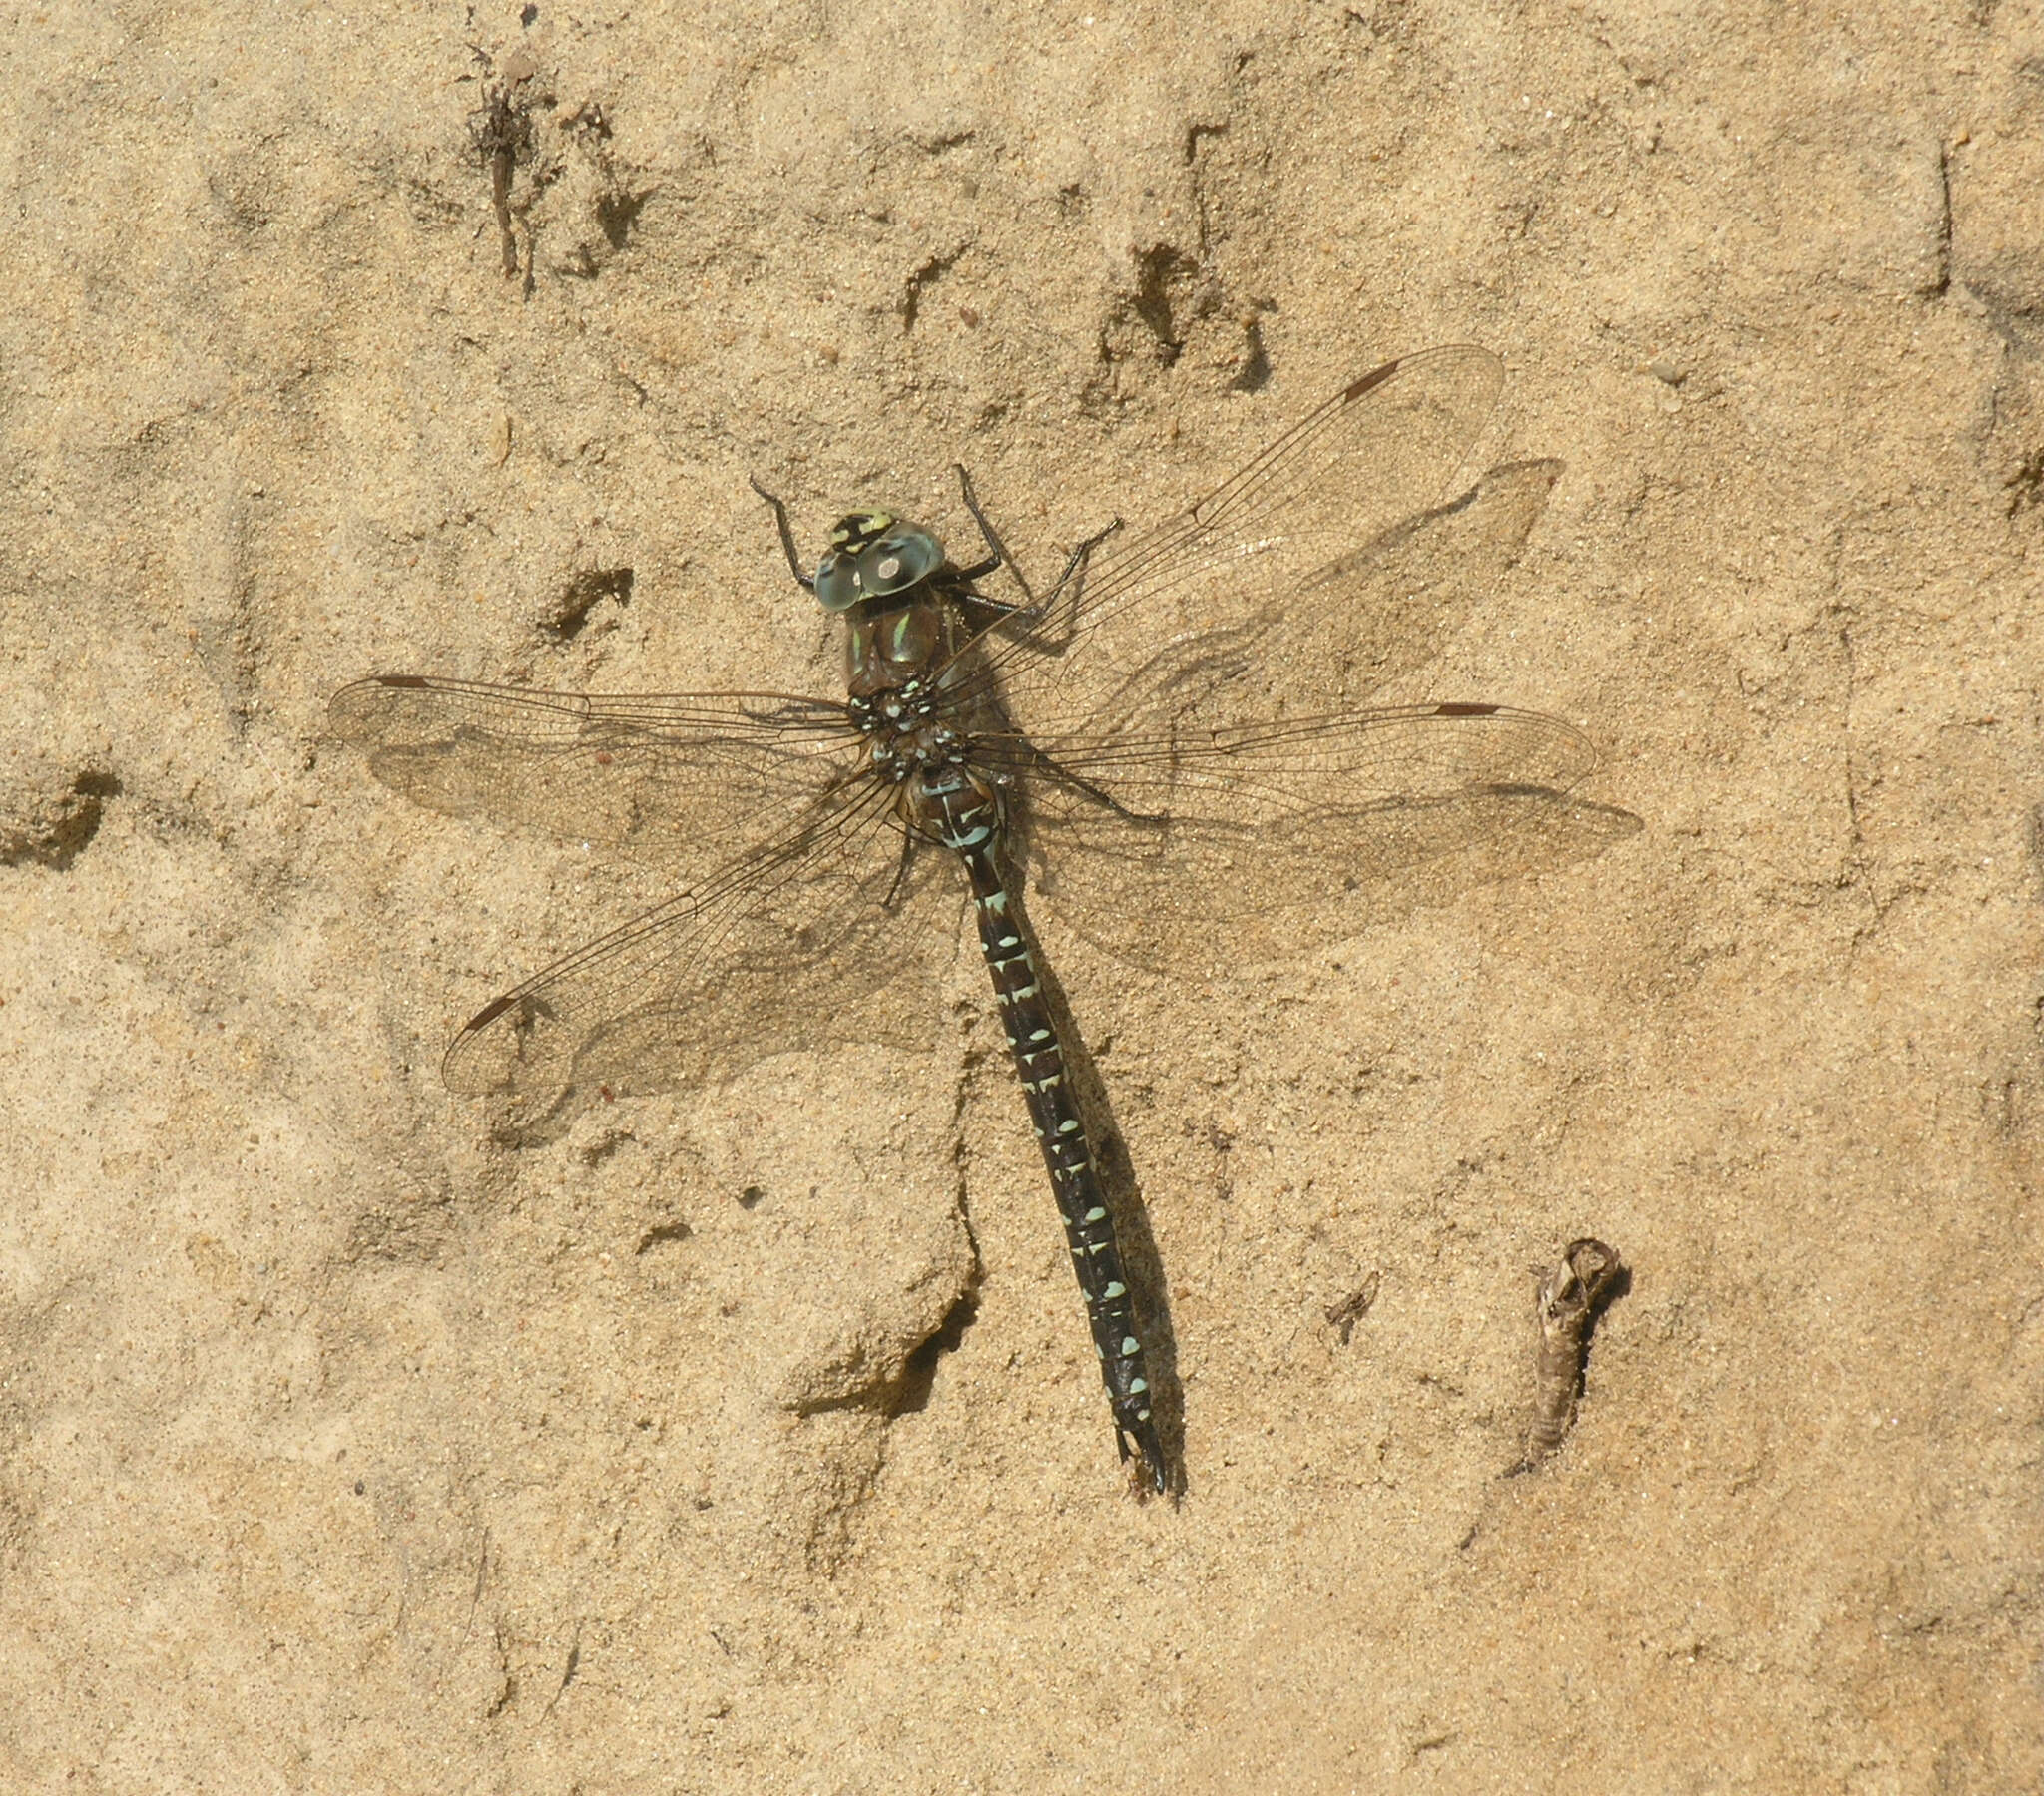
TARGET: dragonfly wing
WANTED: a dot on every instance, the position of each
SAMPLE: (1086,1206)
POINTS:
(1213,899)
(773,952)
(680,776)
(1202,784)
(1315,654)
(1382,610)
(1168,769)
(1255,842)
(1371,456)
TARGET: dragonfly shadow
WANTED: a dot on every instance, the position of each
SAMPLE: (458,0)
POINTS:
(1427,853)
(847,1000)
(1391,606)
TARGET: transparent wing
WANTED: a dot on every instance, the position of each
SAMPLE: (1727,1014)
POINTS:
(1207,901)
(1249,843)
(774,952)
(1378,452)
(1215,796)
(680,777)
(1197,778)
(1316,653)
(1179,770)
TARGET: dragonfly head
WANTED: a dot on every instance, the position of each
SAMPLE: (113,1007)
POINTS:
(873,555)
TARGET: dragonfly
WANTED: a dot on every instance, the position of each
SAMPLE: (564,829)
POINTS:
(1170,748)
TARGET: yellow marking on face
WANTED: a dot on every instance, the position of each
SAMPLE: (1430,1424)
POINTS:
(861,527)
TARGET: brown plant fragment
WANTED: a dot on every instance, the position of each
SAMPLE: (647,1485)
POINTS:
(1571,1296)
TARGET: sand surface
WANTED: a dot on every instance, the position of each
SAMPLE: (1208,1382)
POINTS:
(744,1435)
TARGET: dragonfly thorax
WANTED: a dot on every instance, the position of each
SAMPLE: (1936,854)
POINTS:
(908,730)
(900,659)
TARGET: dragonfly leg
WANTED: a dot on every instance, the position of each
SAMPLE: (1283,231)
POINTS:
(794,564)
(1035,610)
(997,550)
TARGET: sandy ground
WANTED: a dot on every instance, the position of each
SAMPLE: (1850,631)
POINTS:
(347,1446)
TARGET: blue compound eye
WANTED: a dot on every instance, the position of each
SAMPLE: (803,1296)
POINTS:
(838,587)
(901,558)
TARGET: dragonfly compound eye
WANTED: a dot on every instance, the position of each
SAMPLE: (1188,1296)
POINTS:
(904,557)
(838,581)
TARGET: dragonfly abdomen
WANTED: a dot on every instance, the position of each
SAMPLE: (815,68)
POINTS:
(965,816)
